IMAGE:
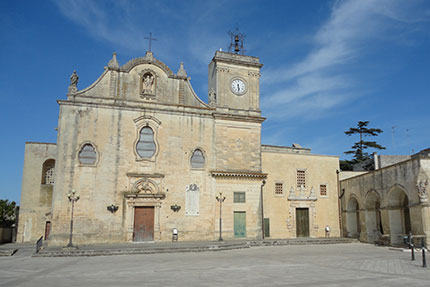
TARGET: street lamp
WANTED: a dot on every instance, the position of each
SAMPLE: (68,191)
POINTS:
(221,199)
(72,198)
(262,211)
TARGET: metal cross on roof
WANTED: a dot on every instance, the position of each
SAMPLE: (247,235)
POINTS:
(150,40)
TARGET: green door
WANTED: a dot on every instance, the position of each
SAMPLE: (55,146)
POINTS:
(302,222)
(239,224)
(267,227)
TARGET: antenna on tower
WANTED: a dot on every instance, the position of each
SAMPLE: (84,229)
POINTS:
(236,42)
(408,139)
(392,137)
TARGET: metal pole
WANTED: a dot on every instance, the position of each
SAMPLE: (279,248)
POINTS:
(71,226)
(220,218)
(424,252)
(262,210)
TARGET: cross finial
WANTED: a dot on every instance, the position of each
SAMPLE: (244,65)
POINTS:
(150,40)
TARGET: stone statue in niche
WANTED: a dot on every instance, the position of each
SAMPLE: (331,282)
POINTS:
(148,84)
(74,78)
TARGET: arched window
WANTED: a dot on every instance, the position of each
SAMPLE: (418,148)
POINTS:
(48,172)
(197,159)
(146,147)
(87,155)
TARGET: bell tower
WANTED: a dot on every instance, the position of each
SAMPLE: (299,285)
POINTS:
(234,79)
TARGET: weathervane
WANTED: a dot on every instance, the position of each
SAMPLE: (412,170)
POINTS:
(236,42)
(150,39)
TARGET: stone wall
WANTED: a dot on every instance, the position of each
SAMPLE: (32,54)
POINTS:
(281,165)
(386,202)
(36,196)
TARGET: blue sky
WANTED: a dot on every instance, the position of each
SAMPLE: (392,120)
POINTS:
(327,64)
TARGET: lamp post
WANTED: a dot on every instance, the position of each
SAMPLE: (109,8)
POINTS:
(72,198)
(262,211)
(221,199)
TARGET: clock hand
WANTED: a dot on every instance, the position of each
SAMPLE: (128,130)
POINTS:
(238,88)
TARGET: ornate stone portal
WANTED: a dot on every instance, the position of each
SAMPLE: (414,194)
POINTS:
(144,192)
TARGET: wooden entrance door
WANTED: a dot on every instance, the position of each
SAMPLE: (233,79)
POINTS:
(302,222)
(143,223)
(239,224)
(47,229)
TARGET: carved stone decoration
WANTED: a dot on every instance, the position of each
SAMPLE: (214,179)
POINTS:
(302,191)
(314,217)
(74,78)
(302,196)
(292,194)
(312,194)
(239,143)
(212,97)
(145,188)
(422,191)
(290,219)
(113,63)
(192,200)
(181,72)
(148,84)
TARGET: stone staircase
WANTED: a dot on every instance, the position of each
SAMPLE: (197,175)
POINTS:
(302,241)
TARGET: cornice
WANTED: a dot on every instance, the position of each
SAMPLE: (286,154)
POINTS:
(238,174)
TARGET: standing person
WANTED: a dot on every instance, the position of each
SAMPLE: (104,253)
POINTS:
(327,231)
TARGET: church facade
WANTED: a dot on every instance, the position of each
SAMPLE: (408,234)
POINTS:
(147,156)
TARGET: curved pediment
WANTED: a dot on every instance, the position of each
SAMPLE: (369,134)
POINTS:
(148,59)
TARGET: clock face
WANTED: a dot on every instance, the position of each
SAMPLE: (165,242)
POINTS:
(238,86)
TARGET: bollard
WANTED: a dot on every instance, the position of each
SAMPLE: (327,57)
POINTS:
(424,252)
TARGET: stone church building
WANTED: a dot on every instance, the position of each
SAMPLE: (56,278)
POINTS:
(146,156)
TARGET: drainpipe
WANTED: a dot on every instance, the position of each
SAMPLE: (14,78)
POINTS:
(339,203)
(262,211)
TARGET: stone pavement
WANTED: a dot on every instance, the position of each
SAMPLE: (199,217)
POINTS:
(352,264)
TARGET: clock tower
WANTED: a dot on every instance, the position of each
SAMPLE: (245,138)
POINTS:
(234,82)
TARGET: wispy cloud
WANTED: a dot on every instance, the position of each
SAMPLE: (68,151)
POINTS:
(319,83)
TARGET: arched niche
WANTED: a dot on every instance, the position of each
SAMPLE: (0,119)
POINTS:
(373,216)
(398,214)
(353,218)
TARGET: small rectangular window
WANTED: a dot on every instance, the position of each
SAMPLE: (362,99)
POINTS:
(301,178)
(279,189)
(323,190)
(239,197)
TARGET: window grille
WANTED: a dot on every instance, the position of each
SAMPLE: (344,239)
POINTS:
(239,197)
(49,176)
(87,155)
(279,189)
(197,159)
(48,172)
(301,178)
(145,147)
(323,190)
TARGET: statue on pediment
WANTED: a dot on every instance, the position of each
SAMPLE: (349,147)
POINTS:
(74,78)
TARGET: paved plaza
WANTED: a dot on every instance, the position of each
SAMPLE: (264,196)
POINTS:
(352,264)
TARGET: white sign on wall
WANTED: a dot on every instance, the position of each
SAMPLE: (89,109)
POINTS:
(192,201)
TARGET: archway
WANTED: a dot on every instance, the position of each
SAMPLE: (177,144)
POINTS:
(398,213)
(374,227)
(353,219)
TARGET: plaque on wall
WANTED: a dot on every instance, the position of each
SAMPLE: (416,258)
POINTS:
(192,202)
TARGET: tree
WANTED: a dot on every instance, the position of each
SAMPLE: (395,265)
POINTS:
(358,149)
(7,213)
